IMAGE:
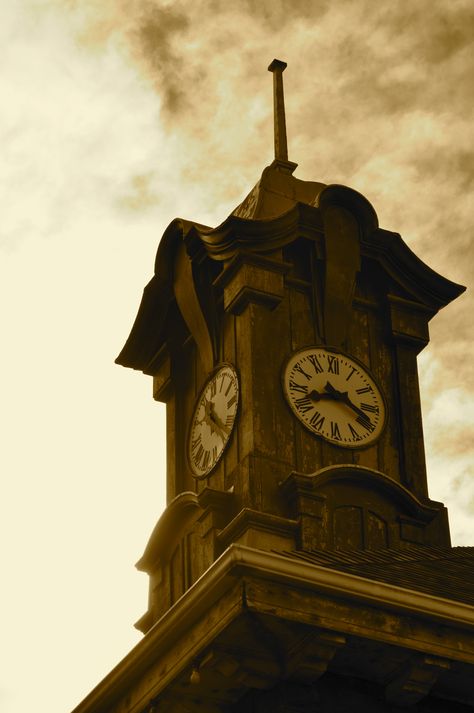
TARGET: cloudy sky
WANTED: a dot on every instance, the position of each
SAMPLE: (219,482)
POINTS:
(118,116)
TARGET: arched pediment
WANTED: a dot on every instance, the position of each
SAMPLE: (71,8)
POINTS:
(373,481)
(348,506)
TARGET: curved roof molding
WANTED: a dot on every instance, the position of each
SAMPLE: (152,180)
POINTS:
(354,202)
(259,235)
(181,510)
(374,481)
(222,243)
(301,208)
(146,336)
(407,269)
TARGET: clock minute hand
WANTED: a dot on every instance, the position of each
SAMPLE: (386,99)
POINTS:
(344,397)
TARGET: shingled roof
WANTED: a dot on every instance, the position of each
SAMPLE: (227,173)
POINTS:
(439,571)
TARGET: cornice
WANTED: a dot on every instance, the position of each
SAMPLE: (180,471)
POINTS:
(179,510)
(224,575)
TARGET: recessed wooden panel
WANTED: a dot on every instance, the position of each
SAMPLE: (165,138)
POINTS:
(348,528)
(376,531)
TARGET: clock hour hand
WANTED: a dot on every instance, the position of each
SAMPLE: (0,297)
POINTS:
(218,422)
(318,396)
(210,417)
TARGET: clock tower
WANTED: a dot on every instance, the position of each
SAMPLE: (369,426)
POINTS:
(284,343)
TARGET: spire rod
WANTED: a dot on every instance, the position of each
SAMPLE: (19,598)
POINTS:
(277,67)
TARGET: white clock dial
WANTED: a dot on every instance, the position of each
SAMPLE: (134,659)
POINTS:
(334,396)
(213,420)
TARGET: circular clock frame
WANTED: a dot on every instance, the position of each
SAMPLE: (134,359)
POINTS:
(213,420)
(334,396)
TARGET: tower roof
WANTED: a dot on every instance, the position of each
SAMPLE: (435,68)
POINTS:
(258,226)
(278,210)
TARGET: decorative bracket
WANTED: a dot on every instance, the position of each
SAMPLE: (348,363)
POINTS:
(311,657)
(416,680)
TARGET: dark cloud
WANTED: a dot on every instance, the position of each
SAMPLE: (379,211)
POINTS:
(434,30)
(378,97)
(277,14)
(452,164)
(155,42)
(449,37)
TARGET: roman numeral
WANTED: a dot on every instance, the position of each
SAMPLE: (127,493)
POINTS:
(317,420)
(232,401)
(316,363)
(368,407)
(365,390)
(333,364)
(354,433)
(366,423)
(228,421)
(198,455)
(350,373)
(228,388)
(222,383)
(294,386)
(195,442)
(300,370)
(303,404)
(213,387)
(214,454)
(205,462)
(335,432)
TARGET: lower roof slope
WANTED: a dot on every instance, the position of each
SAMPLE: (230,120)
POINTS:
(446,572)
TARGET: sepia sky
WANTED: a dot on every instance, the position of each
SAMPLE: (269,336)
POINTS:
(118,116)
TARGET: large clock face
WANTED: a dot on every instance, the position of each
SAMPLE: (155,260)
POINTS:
(213,420)
(334,397)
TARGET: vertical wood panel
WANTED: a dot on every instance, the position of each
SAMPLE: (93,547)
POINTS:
(358,346)
(171,448)
(307,445)
(382,358)
(243,358)
(188,384)
(414,467)
(231,456)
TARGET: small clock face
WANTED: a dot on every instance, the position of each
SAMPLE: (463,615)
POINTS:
(334,397)
(213,420)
